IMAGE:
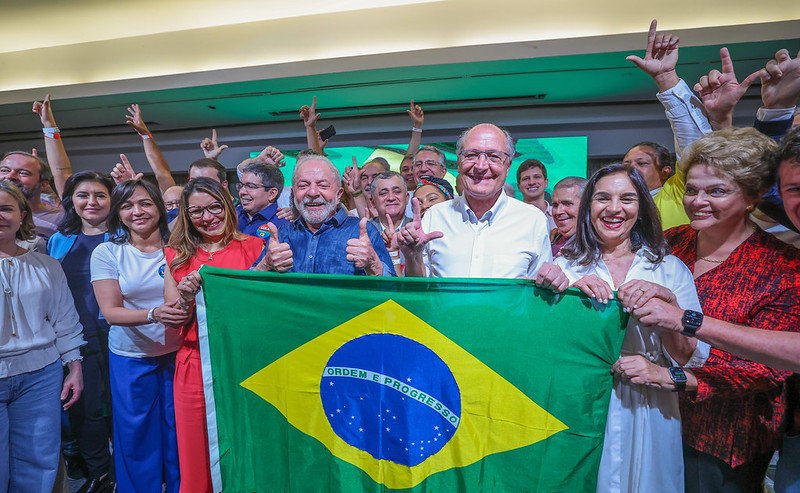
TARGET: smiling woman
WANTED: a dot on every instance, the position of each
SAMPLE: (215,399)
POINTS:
(205,234)
(619,245)
(40,331)
(733,417)
(127,277)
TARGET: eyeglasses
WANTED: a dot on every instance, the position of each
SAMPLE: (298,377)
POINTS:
(214,209)
(494,157)
(429,162)
(251,186)
(172,204)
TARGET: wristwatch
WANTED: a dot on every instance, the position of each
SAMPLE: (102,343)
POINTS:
(678,376)
(691,321)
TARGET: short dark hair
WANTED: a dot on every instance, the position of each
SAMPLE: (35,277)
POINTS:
(44,169)
(271,176)
(118,232)
(71,223)
(660,154)
(528,164)
(788,150)
(585,246)
(205,162)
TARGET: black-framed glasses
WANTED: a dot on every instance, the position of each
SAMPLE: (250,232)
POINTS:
(214,209)
(494,157)
(251,186)
(172,204)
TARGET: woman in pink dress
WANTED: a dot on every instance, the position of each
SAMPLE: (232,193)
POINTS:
(205,234)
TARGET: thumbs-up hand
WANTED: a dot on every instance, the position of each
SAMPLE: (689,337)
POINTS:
(362,254)
(279,255)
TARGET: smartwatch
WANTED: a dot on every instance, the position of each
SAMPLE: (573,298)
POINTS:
(691,321)
(678,376)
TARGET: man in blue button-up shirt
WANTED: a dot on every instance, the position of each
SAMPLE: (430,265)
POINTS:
(324,239)
(259,188)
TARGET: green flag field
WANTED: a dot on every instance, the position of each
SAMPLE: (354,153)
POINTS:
(317,383)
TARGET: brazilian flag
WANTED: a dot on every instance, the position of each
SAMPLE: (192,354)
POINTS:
(340,383)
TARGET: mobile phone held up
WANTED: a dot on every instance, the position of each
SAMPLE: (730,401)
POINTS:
(327,133)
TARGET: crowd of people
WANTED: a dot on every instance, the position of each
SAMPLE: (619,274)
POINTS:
(100,279)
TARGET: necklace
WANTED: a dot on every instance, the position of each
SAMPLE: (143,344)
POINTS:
(211,253)
(711,260)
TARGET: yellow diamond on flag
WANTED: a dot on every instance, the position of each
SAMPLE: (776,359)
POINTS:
(487,416)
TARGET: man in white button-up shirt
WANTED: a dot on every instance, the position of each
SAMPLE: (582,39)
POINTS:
(483,233)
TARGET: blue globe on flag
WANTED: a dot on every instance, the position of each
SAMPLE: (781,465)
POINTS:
(392,397)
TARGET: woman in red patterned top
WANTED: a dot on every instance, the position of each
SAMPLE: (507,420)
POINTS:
(205,234)
(733,411)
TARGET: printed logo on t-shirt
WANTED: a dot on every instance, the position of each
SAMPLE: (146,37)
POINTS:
(161,270)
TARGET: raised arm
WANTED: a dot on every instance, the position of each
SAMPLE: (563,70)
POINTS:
(660,58)
(310,116)
(417,117)
(154,156)
(684,110)
(721,91)
(352,183)
(270,155)
(211,148)
(53,145)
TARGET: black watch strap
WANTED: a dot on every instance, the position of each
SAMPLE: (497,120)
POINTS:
(691,321)
(678,377)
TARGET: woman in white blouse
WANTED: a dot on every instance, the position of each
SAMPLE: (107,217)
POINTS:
(619,246)
(40,331)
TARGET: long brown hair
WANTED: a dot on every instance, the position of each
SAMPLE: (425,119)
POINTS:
(185,237)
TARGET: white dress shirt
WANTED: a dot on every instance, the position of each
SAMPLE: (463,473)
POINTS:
(510,240)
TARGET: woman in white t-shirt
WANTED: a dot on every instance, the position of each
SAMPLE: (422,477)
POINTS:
(128,281)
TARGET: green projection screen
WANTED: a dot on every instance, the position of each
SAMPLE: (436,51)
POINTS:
(563,156)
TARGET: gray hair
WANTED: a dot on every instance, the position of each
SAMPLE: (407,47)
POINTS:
(439,155)
(379,160)
(318,157)
(271,176)
(511,147)
(572,181)
(387,175)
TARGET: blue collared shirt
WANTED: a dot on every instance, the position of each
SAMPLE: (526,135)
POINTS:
(324,252)
(266,215)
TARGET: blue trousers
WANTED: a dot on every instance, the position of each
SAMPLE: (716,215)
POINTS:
(145,445)
(30,429)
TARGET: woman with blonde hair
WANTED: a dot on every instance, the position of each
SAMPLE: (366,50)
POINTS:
(205,234)
(40,332)
(732,408)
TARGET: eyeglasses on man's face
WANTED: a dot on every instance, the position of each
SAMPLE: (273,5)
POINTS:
(251,186)
(494,157)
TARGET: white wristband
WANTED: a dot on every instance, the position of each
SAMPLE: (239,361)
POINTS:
(415,129)
(150,316)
